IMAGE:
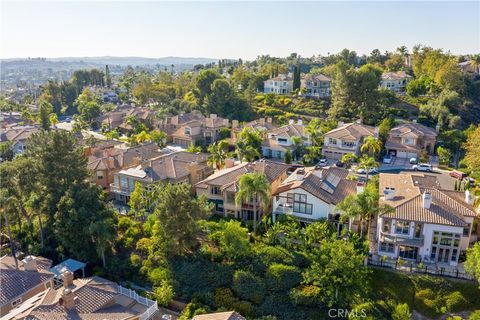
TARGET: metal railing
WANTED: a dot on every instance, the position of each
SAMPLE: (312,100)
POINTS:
(399,239)
(132,294)
(414,267)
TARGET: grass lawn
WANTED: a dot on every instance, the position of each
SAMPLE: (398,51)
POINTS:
(430,296)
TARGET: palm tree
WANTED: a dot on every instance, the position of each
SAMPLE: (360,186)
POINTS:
(256,188)
(313,129)
(192,148)
(348,158)
(246,151)
(298,147)
(371,146)
(218,154)
(475,62)
(366,163)
(102,233)
(6,202)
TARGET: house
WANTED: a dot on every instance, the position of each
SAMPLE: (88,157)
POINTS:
(408,140)
(426,223)
(176,167)
(20,284)
(103,163)
(110,96)
(469,67)
(18,136)
(229,315)
(279,140)
(220,188)
(281,84)
(316,86)
(117,119)
(311,194)
(85,299)
(200,131)
(347,138)
(171,123)
(395,81)
(261,126)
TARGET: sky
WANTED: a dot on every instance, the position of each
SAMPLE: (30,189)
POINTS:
(232,29)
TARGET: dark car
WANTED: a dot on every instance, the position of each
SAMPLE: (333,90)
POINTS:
(339,164)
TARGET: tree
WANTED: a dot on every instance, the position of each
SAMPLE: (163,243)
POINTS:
(444,155)
(159,137)
(249,145)
(288,157)
(367,163)
(475,62)
(204,81)
(401,312)
(337,269)
(108,79)
(233,240)
(53,119)
(107,108)
(102,233)
(193,148)
(88,106)
(472,264)
(218,153)
(6,151)
(296,78)
(371,146)
(254,187)
(472,150)
(313,130)
(348,159)
(45,110)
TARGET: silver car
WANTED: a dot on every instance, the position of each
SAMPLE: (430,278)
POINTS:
(423,167)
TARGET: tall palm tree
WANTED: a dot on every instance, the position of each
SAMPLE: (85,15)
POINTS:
(366,163)
(102,234)
(6,202)
(256,188)
(218,154)
(313,130)
(246,152)
(371,146)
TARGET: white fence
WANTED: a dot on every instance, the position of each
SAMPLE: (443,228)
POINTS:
(132,294)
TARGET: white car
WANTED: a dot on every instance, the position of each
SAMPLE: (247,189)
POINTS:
(323,162)
(371,170)
(423,167)
(413,160)
(387,159)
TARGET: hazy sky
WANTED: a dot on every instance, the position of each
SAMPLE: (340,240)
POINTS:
(232,29)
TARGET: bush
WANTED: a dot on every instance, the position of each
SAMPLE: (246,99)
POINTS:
(248,286)
(455,302)
(474,315)
(224,298)
(306,295)
(402,312)
(427,303)
(280,277)
(164,293)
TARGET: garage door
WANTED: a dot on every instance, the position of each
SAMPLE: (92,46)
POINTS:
(401,154)
(412,155)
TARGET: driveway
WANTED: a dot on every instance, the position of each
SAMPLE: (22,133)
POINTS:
(396,164)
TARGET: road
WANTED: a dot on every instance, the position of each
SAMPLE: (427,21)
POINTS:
(69,126)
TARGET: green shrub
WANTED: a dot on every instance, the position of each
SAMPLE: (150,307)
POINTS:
(306,295)
(280,277)
(474,315)
(248,286)
(455,302)
(402,312)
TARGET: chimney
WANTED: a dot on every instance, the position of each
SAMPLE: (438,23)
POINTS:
(360,121)
(376,132)
(360,187)
(234,124)
(193,168)
(291,121)
(67,278)
(68,299)
(469,198)
(300,122)
(426,200)
(300,174)
(340,124)
(229,163)
(30,263)
(269,120)
(261,121)
(389,193)
(213,116)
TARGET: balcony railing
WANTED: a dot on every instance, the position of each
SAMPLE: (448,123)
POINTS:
(152,306)
(401,239)
(116,189)
(283,209)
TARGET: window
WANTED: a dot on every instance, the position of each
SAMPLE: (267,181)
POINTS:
(187,131)
(299,202)
(230,197)
(348,144)
(386,225)
(445,246)
(466,231)
(332,141)
(16,302)
(407,252)
(402,227)
(387,247)
(418,230)
(282,140)
(48,285)
(123,182)
(215,190)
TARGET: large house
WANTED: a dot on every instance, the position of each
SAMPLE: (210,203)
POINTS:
(261,126)
(18,285)
(199,131)
(170,123)
(176,167)
(310,194)
(425,223)
(409,139)
(85,299)
(316,85)
(279,140)
(104,162)
(347,138)
(395,81)
(220,188)
(118,117)
(18,136)
(281,84)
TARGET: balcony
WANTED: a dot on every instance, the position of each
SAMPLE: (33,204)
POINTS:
(115,188)
(284,209)
(401,239)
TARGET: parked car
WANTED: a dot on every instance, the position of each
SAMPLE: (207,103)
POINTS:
(413,160)
(423,167)
(323,162)
(339,164)
(388,159)
(458,174)
(469,181)
(68,119)
(371,170)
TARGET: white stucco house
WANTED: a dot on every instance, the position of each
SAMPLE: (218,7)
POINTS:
(395,81)
(279,140)
(281,84)
(426,223)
